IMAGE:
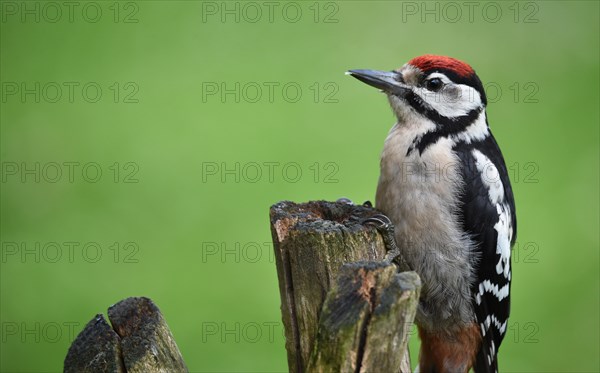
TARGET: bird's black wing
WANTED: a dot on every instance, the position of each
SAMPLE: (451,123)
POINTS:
(488,213)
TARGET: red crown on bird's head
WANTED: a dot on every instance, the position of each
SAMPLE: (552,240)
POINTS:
(429,62)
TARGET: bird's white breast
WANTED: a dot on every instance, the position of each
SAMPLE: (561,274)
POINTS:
(419,193)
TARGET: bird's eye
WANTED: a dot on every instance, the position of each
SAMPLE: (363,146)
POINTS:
(434,84)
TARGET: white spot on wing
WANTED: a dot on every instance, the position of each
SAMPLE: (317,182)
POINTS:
(501,326)
(491,179)
(487,286)
(504,229)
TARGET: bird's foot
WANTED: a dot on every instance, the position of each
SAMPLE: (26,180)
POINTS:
(385,227)
(348,201)
(345,200)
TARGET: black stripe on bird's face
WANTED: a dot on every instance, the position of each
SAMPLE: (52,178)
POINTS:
(445,127)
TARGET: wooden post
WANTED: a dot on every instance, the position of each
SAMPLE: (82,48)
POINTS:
(342,307)
(138,341)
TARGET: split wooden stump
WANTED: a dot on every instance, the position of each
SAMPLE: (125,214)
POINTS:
(138,341)
(343,308)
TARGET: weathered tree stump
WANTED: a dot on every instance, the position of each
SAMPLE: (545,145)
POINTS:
(96,349)
(138,341)
(343,308)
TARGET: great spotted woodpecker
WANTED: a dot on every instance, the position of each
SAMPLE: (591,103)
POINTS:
(445,187)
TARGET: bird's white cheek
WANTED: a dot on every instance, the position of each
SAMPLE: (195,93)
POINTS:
(453,101)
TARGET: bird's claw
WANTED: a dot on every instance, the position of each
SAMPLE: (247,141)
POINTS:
(380,222)
(348,201)
(385,227)
(345,200)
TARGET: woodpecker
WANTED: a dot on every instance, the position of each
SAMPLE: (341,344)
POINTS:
(445,188)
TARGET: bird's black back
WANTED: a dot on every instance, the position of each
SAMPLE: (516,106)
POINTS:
(480,216)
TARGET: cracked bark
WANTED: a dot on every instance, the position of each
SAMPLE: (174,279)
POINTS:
(138,341)
(343,309)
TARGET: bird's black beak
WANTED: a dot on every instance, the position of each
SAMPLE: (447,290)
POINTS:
(387,81)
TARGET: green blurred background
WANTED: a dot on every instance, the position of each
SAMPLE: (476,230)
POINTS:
(200,115)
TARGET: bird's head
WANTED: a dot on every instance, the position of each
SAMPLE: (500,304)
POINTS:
(437,87)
